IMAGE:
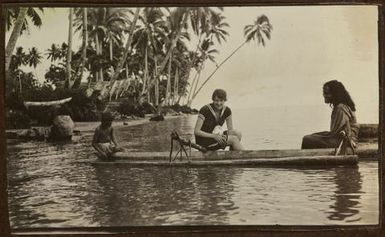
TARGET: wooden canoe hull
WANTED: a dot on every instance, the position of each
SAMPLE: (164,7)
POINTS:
(365,151)
(299,161)
(252,158)
(47,103)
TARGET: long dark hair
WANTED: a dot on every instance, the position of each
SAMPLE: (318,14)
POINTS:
(339,94)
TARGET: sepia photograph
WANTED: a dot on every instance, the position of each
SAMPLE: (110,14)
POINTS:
(192,116)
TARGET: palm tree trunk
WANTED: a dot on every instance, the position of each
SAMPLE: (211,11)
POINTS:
(110,49)
(127,48)
(20,85)
(173,44)
(145,70)
(98,45)
(84,50)
(197,83)
(69,50)
(191,63)
(168,88)
(14,36)
(216,69)
(156,84)
(178,102)
(126,70)
(190,93)
(176,86)
(195,88)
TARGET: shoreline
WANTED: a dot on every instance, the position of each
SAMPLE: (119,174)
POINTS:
(87,127)
(90,126)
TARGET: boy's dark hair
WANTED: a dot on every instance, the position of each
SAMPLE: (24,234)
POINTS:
(107,117)
(220,94)
(339,94)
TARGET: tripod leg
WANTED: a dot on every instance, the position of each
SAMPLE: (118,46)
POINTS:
(171,148)
(176,155)
(184,150)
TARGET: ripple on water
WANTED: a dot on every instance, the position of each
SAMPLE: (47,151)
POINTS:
(56,186)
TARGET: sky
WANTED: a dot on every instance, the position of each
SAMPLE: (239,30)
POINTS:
(309,46)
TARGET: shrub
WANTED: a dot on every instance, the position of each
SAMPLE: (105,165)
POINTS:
(16,119)
(127,107)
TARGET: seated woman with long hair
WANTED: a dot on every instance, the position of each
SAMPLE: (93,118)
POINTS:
(343,123)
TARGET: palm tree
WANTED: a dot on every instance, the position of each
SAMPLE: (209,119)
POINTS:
(175,36)
(176,85)
(13,12)
(168,86)
(34,57)
(260,30)
(17,17)
(84,48)
(14,36)
(69,49)
(150,38)
(53,53)
(105,27)
(213,31)
(198,16)
(126,50)
(207,53)
(63,51)
(18,59)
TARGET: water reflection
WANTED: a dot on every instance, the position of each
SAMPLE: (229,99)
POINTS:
(165,195)
(347,195)
(154,136)
(57,186)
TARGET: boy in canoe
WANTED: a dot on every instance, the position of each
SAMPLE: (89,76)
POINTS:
(104,140)
(343,123)
(208,129)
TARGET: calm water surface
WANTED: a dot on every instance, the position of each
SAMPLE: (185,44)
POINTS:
(53,185)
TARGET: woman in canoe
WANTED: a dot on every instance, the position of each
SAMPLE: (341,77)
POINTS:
(343,120)
(208,129)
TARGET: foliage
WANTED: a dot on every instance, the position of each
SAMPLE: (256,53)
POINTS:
(161,37)
(33,14)
(17,119)
(127,107)
(55,74)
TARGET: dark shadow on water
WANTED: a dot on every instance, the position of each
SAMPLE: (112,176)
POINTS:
(347,195)
(163,195)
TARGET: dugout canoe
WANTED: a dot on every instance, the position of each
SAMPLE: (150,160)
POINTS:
(302,158)
(46,103)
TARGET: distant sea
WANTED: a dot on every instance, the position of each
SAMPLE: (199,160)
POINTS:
(282,127)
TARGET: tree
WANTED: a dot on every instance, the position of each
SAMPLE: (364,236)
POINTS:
(12,13)
(150,38)
(126,50)
(54,53)
(17,17)
(14,36)
(198,16)
(69,50)
(260,30)
(34,57)
(18,59)
(213,31)
(84,49)
(105,27)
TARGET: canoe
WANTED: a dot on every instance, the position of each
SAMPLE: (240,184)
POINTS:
(47,103)
(303,158)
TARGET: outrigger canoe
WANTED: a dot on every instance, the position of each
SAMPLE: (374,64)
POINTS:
(301,158)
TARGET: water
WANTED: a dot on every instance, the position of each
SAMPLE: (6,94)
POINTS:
(54,185)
